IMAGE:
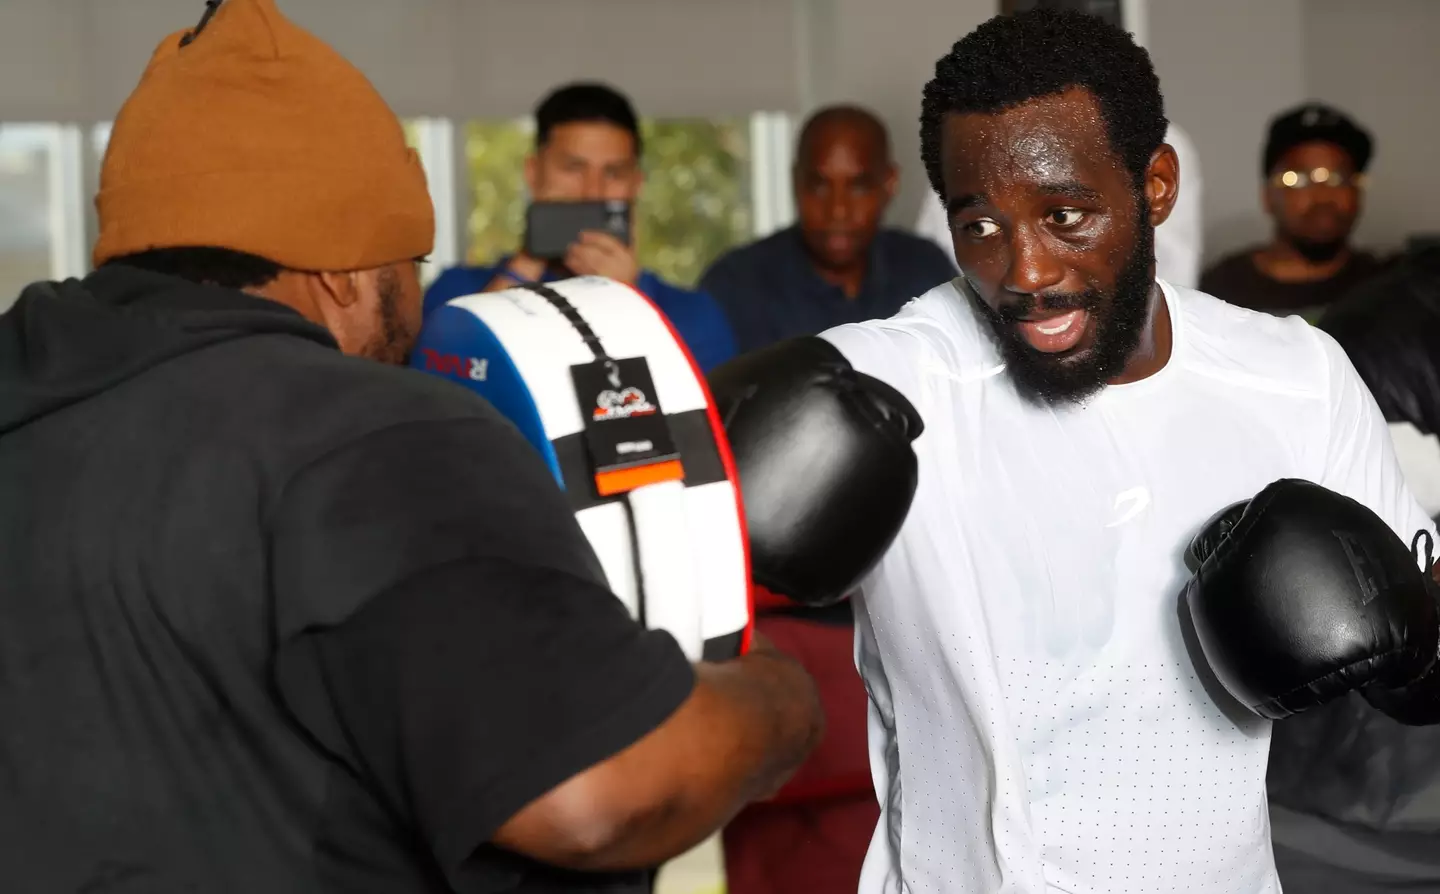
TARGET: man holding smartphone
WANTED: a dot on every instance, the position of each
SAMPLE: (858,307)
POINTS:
(587,150)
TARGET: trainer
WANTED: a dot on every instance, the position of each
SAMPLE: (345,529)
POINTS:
(1103,455)
(278,617)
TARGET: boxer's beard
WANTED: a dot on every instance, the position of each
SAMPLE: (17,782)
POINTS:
(392,343)
(1119,320)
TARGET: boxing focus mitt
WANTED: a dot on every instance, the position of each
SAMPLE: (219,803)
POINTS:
(825,465)
(593,376)
(1302,595)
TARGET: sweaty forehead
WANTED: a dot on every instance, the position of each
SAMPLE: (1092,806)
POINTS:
(1053,139)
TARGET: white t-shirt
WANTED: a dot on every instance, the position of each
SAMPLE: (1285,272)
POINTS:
(1178,240)
(1036,721)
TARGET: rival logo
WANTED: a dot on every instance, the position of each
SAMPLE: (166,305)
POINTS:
(622,404)
(473,368)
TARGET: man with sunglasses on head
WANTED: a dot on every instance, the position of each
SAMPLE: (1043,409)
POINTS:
(1314,167)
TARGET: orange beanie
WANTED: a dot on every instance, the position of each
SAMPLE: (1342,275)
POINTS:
(258,137)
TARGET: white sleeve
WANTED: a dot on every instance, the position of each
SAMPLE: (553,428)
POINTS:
(882,860)
(1359,457)
(867,348)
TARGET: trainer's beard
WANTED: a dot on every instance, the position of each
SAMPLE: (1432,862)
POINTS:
(1050,379)
(392,343)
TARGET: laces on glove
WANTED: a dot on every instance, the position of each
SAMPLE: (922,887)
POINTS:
(1429,548)
(1418,703)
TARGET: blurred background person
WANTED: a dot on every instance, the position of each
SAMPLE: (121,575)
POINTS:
(1314,165)
(1354,795)
(1179,241)
(1390,328)
(838,264)
(588,148)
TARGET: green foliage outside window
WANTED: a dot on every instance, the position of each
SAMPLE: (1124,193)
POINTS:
(695,204)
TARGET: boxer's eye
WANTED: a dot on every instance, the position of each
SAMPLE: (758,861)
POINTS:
(981,229)
(1066,217)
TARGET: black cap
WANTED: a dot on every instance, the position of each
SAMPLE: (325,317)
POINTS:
(1311,122)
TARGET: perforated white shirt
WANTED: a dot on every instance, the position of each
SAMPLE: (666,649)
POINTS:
(1037,723)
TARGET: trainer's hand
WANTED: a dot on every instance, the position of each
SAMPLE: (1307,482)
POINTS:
(745,729)
(601,254)
(826,470)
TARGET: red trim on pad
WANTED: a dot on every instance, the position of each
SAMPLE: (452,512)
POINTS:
(727,459)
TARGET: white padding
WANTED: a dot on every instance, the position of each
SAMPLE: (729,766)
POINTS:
(724,579)
(543,346)
(691,556)
(673,598)
(630,326)
(608,530)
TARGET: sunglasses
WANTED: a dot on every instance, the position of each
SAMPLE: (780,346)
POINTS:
(1315,177)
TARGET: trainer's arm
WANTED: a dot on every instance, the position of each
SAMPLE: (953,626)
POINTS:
(444,630)
(746,727)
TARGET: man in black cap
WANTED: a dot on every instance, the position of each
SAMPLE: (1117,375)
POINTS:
(1314,167)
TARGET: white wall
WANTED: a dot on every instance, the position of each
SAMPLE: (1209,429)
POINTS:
(1226,66)
(1379,60)
(880,53)
(78,59)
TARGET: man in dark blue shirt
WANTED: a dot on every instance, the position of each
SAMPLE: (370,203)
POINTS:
(587,148)
(838,265)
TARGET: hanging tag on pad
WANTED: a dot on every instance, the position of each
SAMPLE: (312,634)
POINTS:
(626,434)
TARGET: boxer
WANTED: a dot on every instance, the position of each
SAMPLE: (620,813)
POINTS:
(1057,701)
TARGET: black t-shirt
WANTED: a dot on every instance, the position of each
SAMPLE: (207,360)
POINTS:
(274,619)
(1236,279)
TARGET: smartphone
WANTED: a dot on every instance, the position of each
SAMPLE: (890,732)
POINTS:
(552,227)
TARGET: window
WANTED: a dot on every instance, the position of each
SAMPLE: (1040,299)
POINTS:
(41,209)
(710,185)
(697,200)
(433,139)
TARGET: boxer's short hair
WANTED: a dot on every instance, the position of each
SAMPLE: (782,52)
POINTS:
(586,102)
(1010,60)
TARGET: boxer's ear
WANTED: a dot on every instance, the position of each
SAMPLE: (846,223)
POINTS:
(1162,184)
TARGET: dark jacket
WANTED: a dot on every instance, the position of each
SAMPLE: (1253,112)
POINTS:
(1355,796)
(1390,328)
(277,619)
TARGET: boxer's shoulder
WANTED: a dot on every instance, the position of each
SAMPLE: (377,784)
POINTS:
(1248,348)
(936,333)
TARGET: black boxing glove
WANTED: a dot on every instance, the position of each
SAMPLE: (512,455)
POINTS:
(1302,595)
(826,470)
